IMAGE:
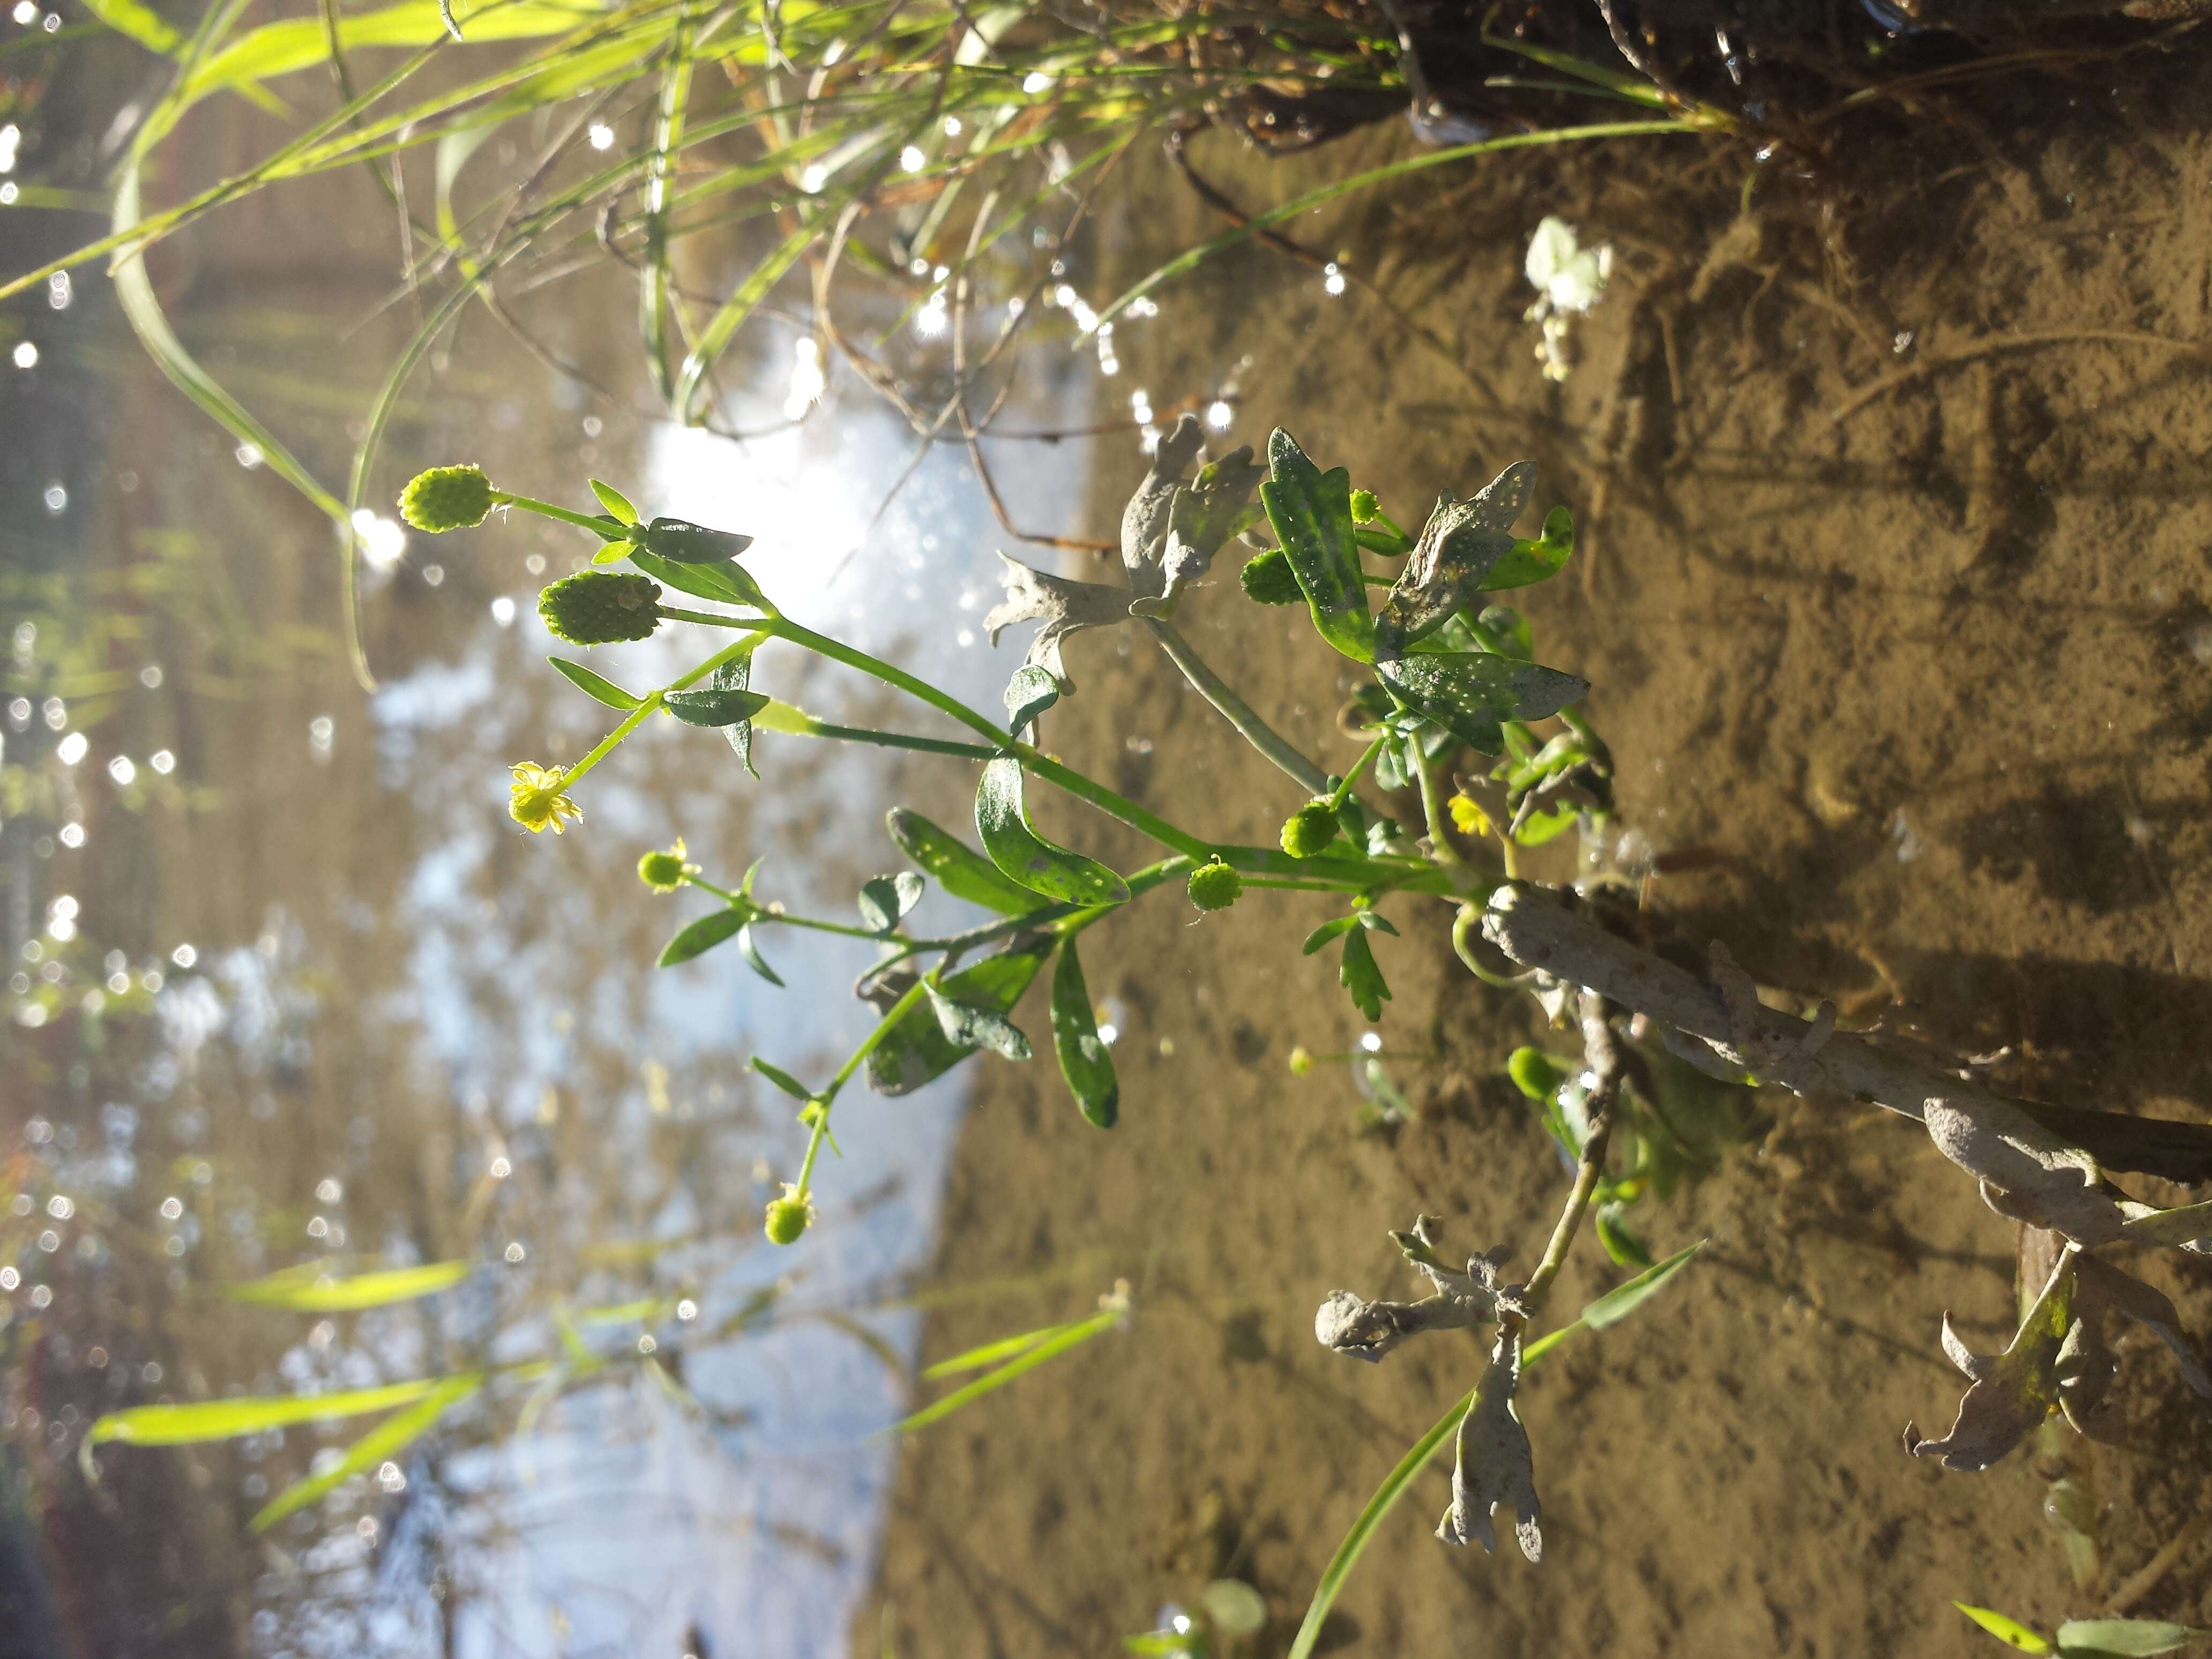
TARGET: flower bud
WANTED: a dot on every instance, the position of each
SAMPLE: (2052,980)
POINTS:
(1215,886)
(446,498)
(1534,1075)
(1310,829)
(1301,1060)
(664,873)
(1267,579)
(789,1216)
(1365,509)
(601,607)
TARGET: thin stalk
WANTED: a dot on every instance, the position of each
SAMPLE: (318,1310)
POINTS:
(1233,709)
(547,510)
(821,1130)
(1337,796)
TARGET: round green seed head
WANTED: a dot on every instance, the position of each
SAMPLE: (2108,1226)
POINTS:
(787,1219)
(1215,886)
(1267,579)
(1532,1073)
(661,871)
(446,498)
(1365,509)
(1310,829)
(601,607)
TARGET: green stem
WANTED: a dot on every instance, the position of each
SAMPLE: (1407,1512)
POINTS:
(546,510)
(606,746)
(828,1096)
(1336,796)
(776,913)
(1233,709)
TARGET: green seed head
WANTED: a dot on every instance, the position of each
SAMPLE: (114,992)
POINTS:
(1365,509)
(663,872)
(1215,886)
(788,1215)
(601,607)
(446,498)
(1532,1073)
(1301,1060)
(1310,829)
(1268,578)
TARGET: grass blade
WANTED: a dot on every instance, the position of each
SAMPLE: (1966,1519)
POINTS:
(388,1440)
(310,1290)
(1054,1344)
(992,1353)
(226,1419)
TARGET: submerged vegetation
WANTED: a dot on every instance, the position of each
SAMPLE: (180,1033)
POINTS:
(1458,713)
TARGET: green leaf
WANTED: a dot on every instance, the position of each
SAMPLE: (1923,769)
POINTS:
(1471,693)
(960,870)
(885,900)
(967,1026)
(1616,1306)
(226,1419)
(1335,927)
(1506,632)
(1621,1244)
(681,542)
(2010,1632)
(1083,1059)
(309,1289)
(916,1051)
(703,935)
(1540,827)
(2126,1637)
(1028,694)
(1053,1345)
(1002,821)
(1375,922)
(1536,561)
(713,706)
(1360,976)
(1235,1608)
(752,956)
(140,23)
(386,1440)
(782,1080)
(725,584)
(735,676)
(616,504)
(1311,514)
(1534,1075)
(595,685)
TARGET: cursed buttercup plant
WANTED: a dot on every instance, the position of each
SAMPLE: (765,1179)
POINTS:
(1451,703)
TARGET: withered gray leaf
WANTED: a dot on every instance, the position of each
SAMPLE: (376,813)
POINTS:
(1349,1324)
(2104,1284)
(2189,1228)
(1146,520)
(1459,546)
(1063,604)
(1204,513)
(2084,1368)
(1495,1465)
(2040,1178)
(2014,1392)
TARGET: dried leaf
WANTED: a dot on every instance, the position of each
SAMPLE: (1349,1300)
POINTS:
(2187,1229)
(2104,1284)
(1349,1324)
(1151,511)
(2014,1393)
(1459,546)
(1204,513)
(1064,605)
(1495,1465)
(2037,1177)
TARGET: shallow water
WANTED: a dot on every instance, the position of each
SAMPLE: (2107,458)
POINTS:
(1912,733)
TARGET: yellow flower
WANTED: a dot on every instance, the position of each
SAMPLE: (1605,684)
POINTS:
(538,803)
(1467,817)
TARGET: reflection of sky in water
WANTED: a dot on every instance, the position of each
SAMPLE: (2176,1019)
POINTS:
(624,1521)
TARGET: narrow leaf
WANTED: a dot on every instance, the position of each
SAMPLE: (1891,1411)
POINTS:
(1002,822)
(735,677)
(681,542)
(1335,927)
(960,871)
(725,584)
(966,1025)
(226,1419)
(2010,1632)
(386,1440)
(595,685)
(714,707)
(993,1353)
(616,504)
(916,1051)
(313,1290)
(1616,1306)
(752,956)
(1069,1337)
(2127,1636)
(701,936)
(782,1080)
(1084,1060)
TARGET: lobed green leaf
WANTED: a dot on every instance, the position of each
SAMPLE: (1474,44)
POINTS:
(1310,512)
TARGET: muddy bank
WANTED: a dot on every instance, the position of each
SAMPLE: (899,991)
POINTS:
(1892,590)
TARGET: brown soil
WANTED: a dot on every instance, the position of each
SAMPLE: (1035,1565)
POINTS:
(1930,686)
